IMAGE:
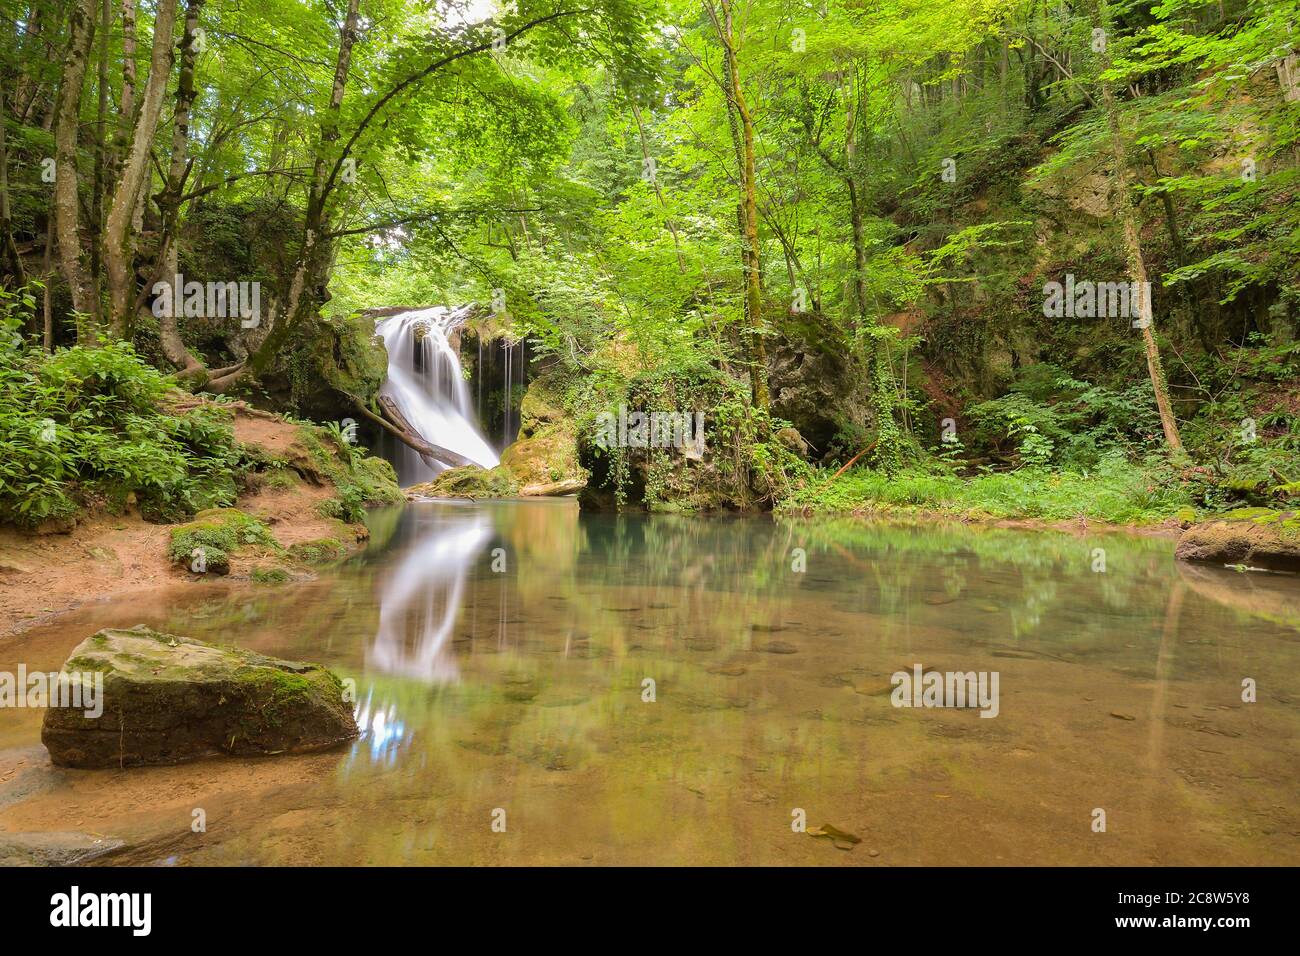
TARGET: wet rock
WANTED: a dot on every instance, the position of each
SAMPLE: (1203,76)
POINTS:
(544,458)
(168,698)
(793,441)
(53,848)
(1254,537)
(842,839)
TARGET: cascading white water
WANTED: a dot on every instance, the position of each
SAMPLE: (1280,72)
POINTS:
(425,382)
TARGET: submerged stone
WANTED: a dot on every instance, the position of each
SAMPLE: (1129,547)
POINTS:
(168,698)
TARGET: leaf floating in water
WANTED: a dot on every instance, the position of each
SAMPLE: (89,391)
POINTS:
(842,839)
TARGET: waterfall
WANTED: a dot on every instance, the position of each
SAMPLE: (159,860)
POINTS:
(426,383)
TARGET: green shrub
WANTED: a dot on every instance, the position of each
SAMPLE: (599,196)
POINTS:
(86,423)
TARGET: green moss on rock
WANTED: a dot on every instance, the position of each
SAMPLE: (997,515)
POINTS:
(168,698)
(216,535)
(469,481)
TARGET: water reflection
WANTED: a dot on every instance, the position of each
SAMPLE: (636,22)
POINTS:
(383,732)
(522,687)
(422,594)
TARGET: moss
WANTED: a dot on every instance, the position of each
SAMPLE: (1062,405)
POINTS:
(471,481)
(269,575)
(319,551)
(280,477)
(362,480)
(218,533)
(1287,523)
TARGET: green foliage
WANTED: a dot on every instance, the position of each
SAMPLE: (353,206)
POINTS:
(360,480)
(1052,418)
(85,424)
(1117,491)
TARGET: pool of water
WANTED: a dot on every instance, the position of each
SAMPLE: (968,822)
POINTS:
(538,685)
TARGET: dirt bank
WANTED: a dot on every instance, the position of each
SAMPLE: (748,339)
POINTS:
(106,555)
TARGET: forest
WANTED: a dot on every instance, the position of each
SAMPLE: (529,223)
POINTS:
(986,257)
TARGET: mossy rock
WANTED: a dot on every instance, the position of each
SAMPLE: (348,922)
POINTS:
(1254,537)
(468,481)
(168,699)
(319,551)
(547,458)
(216,535)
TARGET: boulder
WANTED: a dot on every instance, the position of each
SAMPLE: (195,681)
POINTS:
(544,459)
(1254,537)
(468,481)
(168,698)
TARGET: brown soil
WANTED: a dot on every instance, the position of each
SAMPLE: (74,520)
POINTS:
(45,575)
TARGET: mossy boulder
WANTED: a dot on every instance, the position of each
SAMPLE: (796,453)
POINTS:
(206,544)
(1254,537)
(544,459)
(468,481)
(168,699)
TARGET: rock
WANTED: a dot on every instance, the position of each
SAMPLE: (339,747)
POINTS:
(206,544)
(168,698)
(468,481)
(545,457)
(842,839)
(810,381)
(569,486)
(59,848)
(1255,537)
(793,441)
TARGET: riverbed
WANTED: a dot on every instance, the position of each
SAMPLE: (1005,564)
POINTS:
(538,685)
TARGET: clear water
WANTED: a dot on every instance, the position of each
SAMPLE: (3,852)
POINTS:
(522,690)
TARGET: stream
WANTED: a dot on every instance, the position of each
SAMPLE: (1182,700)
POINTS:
(501,653)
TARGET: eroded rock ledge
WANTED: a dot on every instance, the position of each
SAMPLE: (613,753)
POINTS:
(1254,537)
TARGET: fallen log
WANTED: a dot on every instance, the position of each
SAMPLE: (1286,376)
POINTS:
(395,423)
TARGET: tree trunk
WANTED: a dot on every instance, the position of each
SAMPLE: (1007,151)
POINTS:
(748,213)
(165,266)
(654,181)
(6,215)
(314,253)
(1137,269)
(119,245)
(81,34)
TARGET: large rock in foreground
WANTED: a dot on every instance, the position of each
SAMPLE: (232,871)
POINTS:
(167,699)
(1255,537)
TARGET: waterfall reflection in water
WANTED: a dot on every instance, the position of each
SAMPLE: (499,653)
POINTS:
(421,597)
